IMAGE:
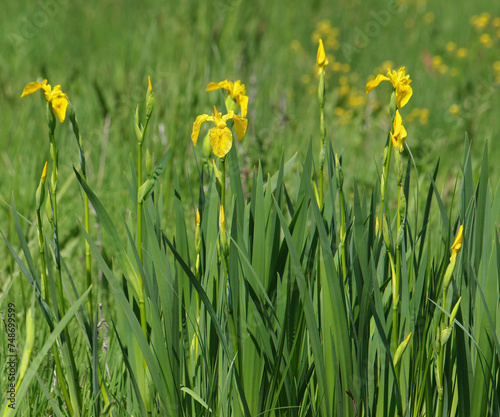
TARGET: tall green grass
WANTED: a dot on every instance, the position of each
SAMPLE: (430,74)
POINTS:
(269,334)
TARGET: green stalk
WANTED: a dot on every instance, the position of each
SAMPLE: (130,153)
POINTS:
(53,192)
(75,393)
(45,295)
(40,196)
(223,183)
(343,235)
(41,245)
(441,346)
(322,135)
(385,173)
(88,262)
(343,226)
(224,245)
(387,155)
(139,203)
(141,133)
(397,282)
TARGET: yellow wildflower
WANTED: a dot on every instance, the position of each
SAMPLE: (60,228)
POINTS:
(451,46)
(480,22)
(346,67)
(221,138)
(424,116)
(437,61)
(457,244)
(321,59)
(454,109)
(429,18)
(400,81)
(462,53)
(55,96)
(486,40)
(398,134)
(236,91)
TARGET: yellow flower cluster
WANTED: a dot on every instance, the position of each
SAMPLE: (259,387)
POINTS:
(329,34)
(422,114)
(439,65)
(485,23)
(221,138)
(54,96)
(402,90)
(400,82)
(481,21)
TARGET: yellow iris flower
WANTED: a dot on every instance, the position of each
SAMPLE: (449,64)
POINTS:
(400,81)
(54,96)
(321,59)
(221,138)
(236,91)
(398,134)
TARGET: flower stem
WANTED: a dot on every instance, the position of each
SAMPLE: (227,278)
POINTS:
(385,173)
(45,295)
(343,235)
(65,340)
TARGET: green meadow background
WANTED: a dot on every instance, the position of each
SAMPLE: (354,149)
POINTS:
(102,52)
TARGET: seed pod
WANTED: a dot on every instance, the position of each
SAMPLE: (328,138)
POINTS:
(401,349)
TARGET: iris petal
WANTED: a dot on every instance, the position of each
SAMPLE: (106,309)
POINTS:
(221,141)
(240,125)
(31,88)
(196,126)
(370,85)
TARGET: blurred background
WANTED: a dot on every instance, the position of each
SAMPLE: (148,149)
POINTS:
(101,52)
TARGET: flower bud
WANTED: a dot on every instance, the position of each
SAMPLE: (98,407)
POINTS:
(138,128)
(207,147)
(445,334)
(40,191)
(400,350)
(48,210)
(338,172)
(455,311)
(150,99)
(197,233)
(449,273)
(146,190)
(222,230)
